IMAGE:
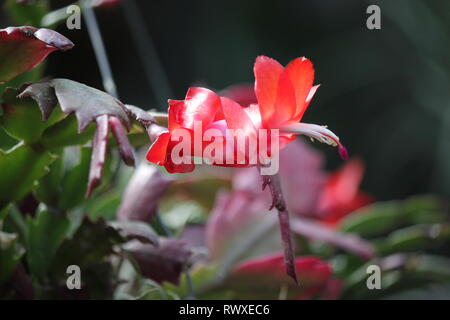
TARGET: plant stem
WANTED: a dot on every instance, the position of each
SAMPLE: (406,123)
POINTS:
(99,48)
(279,203)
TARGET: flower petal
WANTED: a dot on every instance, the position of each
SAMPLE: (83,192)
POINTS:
(200,104)
(301,73)
(236,117)
(267,74)
(157,152)
(285,105)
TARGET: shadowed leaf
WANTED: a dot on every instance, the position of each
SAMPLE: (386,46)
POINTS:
(164,263)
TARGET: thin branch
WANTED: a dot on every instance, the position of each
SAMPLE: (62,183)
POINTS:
(99,48)
(279,203)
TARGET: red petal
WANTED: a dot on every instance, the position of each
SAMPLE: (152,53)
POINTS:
(178,168)
(236,117)
(301,73)
(254,114)
(201,104)
(267,74)
(158,150)
(285,105)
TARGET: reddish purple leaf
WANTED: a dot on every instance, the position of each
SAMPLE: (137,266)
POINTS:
(22,48)
(99,145)
(315,231)
(140,115)
(163,263)
(143,193)
(130,230)
(44,95)
(86,102)
(144,118)
(125,149)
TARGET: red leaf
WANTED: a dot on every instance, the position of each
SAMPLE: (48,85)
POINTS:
(22,48)
(125,149)
(98,153)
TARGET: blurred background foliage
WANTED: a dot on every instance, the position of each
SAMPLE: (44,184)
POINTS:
(384,92)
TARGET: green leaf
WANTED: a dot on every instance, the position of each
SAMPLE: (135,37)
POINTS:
(73,184)
(104,205)
(65,133)
(10,254)
(20,168)
(45,234)
(6,141)
(31,75)
(22,119)
(430,292)
(415,238)
(49,187)
(383,217)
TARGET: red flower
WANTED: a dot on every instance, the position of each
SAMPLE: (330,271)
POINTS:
(341,194)
(283,94)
